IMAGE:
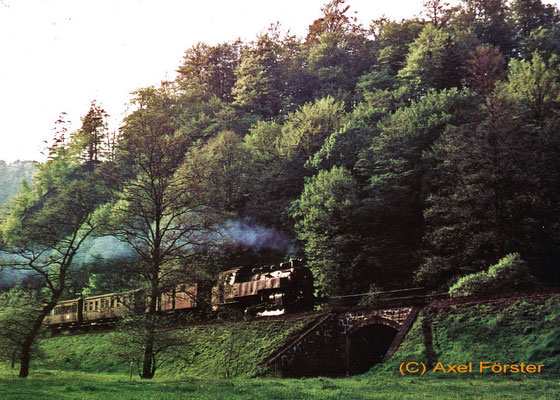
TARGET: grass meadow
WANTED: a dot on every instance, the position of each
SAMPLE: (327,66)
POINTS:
(59,385)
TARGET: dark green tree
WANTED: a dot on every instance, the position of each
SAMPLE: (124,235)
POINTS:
(490,23)
(529,15)
(491,187)
(397,172)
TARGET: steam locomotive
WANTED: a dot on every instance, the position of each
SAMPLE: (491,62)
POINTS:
(286,287)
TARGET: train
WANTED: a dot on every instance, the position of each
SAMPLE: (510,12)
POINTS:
(285,287)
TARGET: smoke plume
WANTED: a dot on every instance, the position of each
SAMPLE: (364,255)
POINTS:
(257,237)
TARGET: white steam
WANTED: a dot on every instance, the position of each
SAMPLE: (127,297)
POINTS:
(257,237)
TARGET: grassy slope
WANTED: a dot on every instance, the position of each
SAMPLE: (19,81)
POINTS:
(209,350)
(507,332)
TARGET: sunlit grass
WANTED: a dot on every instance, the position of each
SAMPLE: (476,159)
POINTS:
(46,384)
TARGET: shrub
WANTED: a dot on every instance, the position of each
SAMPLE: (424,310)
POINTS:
(510,273)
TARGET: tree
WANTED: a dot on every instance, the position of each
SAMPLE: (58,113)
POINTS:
(485,67)
(438,12)
(19,308)
(45,245)
(268,190)
(327,219)
(210,68)
(335,20)
(305,131)
(534,85)
(433,61)
(546,42)
(529,15)
(90,139)
(343,146)
(392,40)
(60,138)
(255,90)
(338,53)
(135,330)
(488,19)
(13,177)
(224,164)
(492,190)
(161,214)
(396,173)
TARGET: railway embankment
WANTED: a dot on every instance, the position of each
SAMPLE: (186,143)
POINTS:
(510,330)
(207,350)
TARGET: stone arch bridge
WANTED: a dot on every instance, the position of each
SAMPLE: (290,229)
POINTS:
(344,342)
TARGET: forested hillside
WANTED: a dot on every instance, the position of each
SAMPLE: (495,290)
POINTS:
(12,176)
(391,155)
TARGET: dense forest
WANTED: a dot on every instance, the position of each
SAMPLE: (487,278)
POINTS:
(403,153)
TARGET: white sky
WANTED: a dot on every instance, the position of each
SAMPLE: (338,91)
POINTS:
(59,55)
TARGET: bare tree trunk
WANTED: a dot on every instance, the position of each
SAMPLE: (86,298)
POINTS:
(25,355)
(148,367)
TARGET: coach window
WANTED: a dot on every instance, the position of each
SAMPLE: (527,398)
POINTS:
(112,303)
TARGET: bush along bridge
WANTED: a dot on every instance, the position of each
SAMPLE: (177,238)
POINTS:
(349,340)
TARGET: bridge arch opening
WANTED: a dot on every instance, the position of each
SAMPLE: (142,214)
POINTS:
(367,345)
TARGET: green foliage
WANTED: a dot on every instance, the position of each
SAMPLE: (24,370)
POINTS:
(226,175)
(488,21)
(418,149)
(534,85)
(111,274)
(338,53)
(254,88)
(510,273)
(489,186)
(210,68)
(396,169)
(545,41)
(12,177)
(202,117)
(530,15)
(18,309)
(326,216)
(305,130)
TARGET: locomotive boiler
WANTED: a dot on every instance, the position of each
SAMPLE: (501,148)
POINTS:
(287,287)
